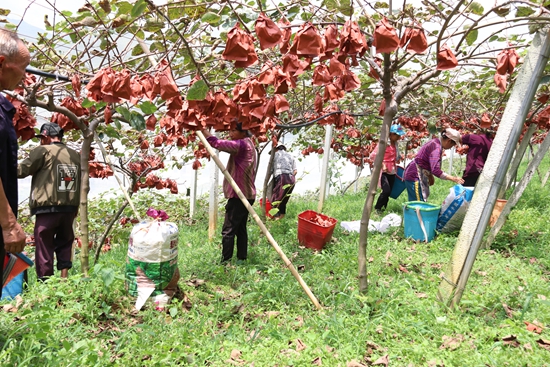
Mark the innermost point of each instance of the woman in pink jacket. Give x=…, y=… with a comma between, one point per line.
x=389, y=166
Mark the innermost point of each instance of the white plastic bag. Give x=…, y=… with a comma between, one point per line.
x=454, y=208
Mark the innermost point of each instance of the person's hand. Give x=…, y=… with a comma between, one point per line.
x=14, y=238
x=457, y=180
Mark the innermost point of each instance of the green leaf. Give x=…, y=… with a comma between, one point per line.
x=67, y=345
x=138, y=50
x=524, y=11
x=124, y=112
x=173, y=311
x=381, y=5
x=502, y=11
x=211, y=18
x=471, y=37
x=197, y=92
x=138, y=8
x=124, y=7
x=5, y=12
x=545, y=79
x=108, y=276
x=137, y=121
x=476, y=8
x=86, y=103
x=148, y=107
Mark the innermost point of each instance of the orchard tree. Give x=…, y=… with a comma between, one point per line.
x=161, y=72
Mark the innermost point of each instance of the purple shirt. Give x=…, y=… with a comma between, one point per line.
x=429, y=158
x=478, y=150
x=241, y=165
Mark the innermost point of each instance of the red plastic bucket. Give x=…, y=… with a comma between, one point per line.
x=315, y=229
x=267, y=207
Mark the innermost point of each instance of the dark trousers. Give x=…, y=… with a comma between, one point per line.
x=386, y=181
x=234, y=224
x=470, y=180
x=53, y=234
x=283, y=187
x=2, y=255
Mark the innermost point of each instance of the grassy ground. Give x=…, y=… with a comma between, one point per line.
x=256, y=314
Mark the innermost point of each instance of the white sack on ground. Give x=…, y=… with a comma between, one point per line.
x=390, y=220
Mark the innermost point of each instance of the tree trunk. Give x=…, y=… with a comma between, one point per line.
x=84, y=190
x=390, y=112
x=108, y=229
x=324, y=170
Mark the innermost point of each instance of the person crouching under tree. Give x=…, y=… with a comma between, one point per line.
x=284, y=179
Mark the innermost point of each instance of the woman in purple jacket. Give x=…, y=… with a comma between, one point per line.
x=478, y=150
x=419, y=174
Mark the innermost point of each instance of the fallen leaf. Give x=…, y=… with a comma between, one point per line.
x=508, y=310
x=317, y=361
x=451, y=342
x=237, y=309
x=18, y=301
x=511, y=340
x=195, y=282
x=299, y=345
x=421, y=295
x=385, y=360
x=533, y=328
x=355, y=364
x=527, y=346
x=544, y=343
x=532, y=260
x=236, y=355
x=403, y=269
x=371, y=259
x=481, y=273
x=388, y=255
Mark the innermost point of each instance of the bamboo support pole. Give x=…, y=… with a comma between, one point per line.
x=262, y=226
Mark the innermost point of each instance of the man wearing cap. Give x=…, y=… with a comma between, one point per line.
x=14, y=58
x=284, y=179
x=427, y=163
x=242, y=168
x=55, y=197
x=389, y=166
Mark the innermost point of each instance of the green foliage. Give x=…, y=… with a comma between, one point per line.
x=211, y=18
x=476, y=8
x=198, y=91
x=138, y=8
x=524, y=11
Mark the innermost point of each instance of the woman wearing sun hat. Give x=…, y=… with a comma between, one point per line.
x=389, y=166
x=427, y=164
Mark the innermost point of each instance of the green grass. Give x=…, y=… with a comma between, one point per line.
x=259, y=309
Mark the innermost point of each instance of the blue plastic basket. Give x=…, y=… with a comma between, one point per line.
x=418, y=214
